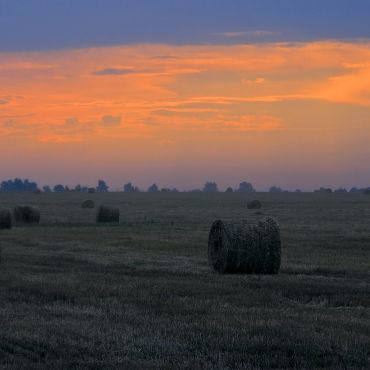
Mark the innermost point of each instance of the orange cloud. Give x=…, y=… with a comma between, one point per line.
x=208, y=98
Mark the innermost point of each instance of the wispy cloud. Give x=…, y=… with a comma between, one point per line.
x=111, y=120
x=257, y=81
x=114, y=71
x=255, y=33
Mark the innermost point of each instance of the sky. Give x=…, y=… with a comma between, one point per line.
x=182, y=92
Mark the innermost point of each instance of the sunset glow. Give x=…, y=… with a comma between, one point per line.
x=295, y=114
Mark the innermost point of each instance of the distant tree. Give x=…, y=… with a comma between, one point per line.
x=80, y=189
x=128, y=188
x=153, y=189
x=246, y=187
x=174, y=190
x=18, y=185
x=195, y=191
x=324, y=190
x=210, y=187
x=229, y=190
x=165, y=190
x=47, y=189
x=102, y=187
x=298, y=191
x=91, y=190
x=367, y=191
x=59, y=188
x=275, y=189
x=341, y=190
x=355, y=190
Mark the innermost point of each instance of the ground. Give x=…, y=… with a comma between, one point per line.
x=140, y=295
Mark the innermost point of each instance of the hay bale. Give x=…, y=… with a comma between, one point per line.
x=254, y=204
x=248, y=247
x=106, y=214
x=26, y=215
x=88, y=204
x=5, y=219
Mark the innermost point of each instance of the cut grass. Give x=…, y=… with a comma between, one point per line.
x=141, y=295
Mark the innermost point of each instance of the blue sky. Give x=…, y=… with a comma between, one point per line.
x=55, y=24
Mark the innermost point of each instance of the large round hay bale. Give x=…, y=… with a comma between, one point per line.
x=254, y=204
x=26, y=215
x=248, y=247
x=5, y=219
x=107, y=214
x=88, y=204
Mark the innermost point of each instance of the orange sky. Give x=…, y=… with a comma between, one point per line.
x=295, y=115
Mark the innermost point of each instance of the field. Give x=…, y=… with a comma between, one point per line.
x=140, y=295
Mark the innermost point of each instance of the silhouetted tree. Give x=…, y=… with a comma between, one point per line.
x=59, y=188
x=19, y=185
x=324, y=190
x=128, y=188
x=229, y=190
x=246, y=187
x=47, y=189
x=102, y=187
x=210, y=187
x=341, y=190
x=153, y=188
x=275, y=189
x=165, y=190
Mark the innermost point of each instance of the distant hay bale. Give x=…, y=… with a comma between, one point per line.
x=88, y=204
x=254, y=204
x=5, y=219
x=246, y=247
x=26, y=215
x=106, y=214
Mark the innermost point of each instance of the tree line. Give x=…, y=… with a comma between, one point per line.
x=19, y=185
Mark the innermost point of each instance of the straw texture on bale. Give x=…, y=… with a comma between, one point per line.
x=107, y=214
x=246, y=247
x=88, y=204
x=254, y=204
x=5, y=219
x=26, y=215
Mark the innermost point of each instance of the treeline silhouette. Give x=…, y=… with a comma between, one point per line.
x=19, y=185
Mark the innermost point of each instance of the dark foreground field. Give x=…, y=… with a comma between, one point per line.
x=141, y=295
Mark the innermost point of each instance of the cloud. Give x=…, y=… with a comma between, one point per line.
x=165, y=57
x=256, y=33
x=114, y=72
x=9, y=98
x=257, y=81
x=253, y=123
x=111, y=120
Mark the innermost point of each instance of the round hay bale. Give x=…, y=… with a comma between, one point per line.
x=106, y=214
x=254, y=204
x=26, y=215
x=5, y=219
x=246, y=247
x=88, y=204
